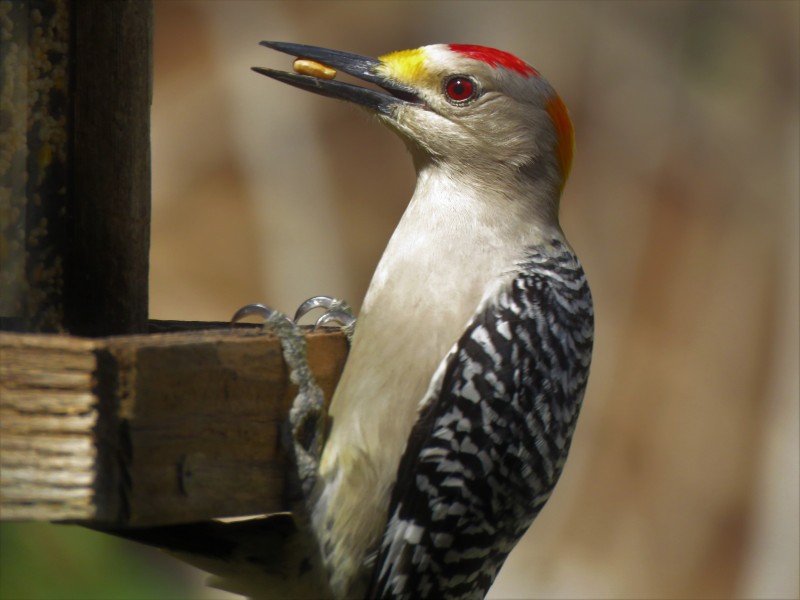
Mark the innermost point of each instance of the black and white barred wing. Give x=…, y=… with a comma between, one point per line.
x=492, y=436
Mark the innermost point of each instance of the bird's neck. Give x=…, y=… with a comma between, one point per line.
x=451, y=221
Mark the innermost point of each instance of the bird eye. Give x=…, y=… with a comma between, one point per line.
x=460, y=89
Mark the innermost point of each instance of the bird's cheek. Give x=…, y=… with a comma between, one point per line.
x=412, y=123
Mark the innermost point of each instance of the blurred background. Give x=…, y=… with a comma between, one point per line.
x=683, y=206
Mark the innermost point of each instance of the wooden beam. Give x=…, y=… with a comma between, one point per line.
x=75, y=165
x=107, y=258
x=148, y=430
x=34, y=161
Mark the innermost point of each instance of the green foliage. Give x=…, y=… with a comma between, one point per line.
x=43, y=561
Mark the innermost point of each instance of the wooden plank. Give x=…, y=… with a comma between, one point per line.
x=203, y=420
x=151, y=429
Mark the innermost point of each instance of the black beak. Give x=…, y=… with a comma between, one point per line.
x=362, y=67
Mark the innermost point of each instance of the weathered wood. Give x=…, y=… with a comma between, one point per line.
x=34, y=160
x=106, y=274
x=147, y=430
x=75, y=164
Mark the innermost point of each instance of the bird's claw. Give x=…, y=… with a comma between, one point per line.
x=307, y=415
x=336, y=312
x=261, y=310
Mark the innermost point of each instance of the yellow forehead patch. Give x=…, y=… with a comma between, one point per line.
x=404, y=66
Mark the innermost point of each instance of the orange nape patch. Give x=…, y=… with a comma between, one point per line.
x=565, y=133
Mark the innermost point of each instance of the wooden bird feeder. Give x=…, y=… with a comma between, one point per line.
x=107, y=418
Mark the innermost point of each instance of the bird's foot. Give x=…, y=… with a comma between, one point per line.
x=336, y=312
x=307, y=415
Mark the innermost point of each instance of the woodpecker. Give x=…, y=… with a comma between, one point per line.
x=456, y=408
x=452, y=420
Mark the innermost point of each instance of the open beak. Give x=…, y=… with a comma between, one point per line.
x=362, y=67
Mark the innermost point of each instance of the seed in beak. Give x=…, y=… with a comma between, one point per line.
x=314, y=69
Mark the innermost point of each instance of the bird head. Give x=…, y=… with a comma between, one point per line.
x=476, y=110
